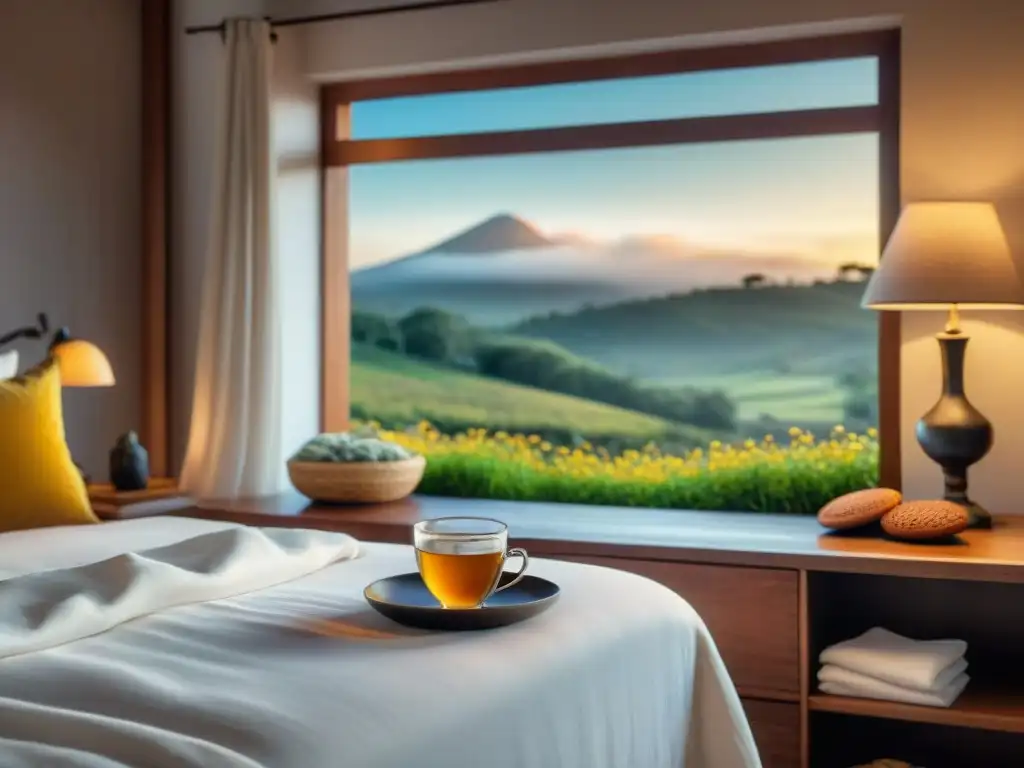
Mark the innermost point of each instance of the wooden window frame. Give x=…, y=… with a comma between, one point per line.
x=338, y=152
x=155, y=33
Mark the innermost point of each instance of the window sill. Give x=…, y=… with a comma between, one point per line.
x=723, y=538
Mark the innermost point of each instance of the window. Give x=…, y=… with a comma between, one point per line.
x=745, y=90
x=638, y=288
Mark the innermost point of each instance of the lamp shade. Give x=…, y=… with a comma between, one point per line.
x=82, y=364
x=946, y=253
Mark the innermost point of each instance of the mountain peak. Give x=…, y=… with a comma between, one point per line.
x=501, y=232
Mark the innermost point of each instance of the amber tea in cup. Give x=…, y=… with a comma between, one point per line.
x=461, y=559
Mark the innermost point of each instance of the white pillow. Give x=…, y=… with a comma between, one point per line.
x=8, y=365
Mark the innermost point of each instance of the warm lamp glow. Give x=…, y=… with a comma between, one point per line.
x=942, y=254
x=82, y=364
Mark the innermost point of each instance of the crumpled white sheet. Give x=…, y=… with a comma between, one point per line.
x=619, y=673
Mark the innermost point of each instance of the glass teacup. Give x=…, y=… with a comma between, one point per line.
x=461, y=559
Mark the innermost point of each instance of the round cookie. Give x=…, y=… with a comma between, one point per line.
x=925, y=520
x=858, y=508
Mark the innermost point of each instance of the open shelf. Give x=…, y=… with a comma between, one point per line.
x=844, y=740
x=984, y=726
x=976, y=708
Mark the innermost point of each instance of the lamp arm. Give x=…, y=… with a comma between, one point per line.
x=28, y=332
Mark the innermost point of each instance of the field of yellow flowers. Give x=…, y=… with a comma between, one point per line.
x=753, y=476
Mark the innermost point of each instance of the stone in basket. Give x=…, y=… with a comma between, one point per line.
x=346, y=468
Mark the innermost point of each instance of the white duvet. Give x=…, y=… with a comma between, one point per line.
x=190, y=644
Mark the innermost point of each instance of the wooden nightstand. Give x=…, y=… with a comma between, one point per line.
x=160, y=497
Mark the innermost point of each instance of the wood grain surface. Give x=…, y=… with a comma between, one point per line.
x=720, y=538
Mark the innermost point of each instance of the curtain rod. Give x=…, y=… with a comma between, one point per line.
x=422, y=5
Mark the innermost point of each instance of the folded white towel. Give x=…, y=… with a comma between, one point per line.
x=830, y=673
x=884, y=655
x=841, y=682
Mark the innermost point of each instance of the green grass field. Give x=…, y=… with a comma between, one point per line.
x=793, y=487
x=798, y=476
x=395, y=390
x=792, y=399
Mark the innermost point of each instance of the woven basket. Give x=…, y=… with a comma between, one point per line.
x=358, y=482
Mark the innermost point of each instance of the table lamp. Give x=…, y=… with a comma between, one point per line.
x=81, y=364
x=949, y=256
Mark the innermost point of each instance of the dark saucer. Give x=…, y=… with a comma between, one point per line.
x=407, y=600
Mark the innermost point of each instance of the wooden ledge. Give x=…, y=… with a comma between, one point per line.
x=977, y=707
x=724, y=538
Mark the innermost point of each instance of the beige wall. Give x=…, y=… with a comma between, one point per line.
x=69, y=195
x=197, y=90
x=962, y=135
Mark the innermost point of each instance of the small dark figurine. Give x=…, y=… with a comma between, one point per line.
x=129, y=464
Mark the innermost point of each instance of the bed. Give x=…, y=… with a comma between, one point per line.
x=620, y=673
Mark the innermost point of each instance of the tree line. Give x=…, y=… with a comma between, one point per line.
x=847, y=272
x=442, y=337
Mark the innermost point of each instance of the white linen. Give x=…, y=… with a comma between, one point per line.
x=884, y=655
x=904, y=696
x=619, y=673
x=833, y=674
x=235, y=446
x=50, y=608
x=843, y=682
x=8, y=364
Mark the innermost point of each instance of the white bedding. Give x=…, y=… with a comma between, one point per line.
x=620, y=672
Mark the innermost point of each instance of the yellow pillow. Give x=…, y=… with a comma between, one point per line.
x=39, y=482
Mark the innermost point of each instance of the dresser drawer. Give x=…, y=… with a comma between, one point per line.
x=752, y=614
x=776, y=729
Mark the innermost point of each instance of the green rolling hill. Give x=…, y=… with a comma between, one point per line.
x=776, y=350
x=398, y=390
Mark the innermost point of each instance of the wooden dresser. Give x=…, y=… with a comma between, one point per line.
x=774, y=590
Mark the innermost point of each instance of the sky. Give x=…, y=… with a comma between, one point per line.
x=817, y=196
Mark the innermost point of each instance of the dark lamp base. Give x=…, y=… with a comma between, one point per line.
x=978, y=516
x=954, y=434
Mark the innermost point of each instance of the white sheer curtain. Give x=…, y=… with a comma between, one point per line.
x=234, y=445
